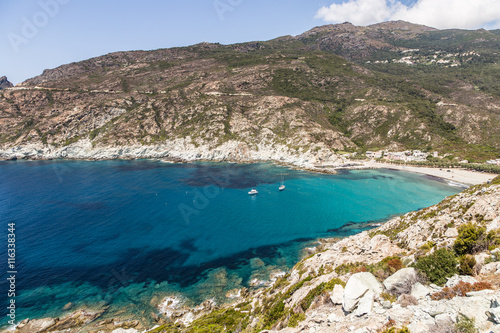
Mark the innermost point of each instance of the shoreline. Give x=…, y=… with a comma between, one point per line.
x=458, y=176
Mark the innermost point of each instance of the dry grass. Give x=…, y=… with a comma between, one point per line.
x=493, y=279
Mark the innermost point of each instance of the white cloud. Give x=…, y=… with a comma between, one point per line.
x=443, y=14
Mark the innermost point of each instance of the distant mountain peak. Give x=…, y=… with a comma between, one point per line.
x=4, y=83
x=402, y=25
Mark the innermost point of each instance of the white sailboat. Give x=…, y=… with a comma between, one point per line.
x=282, y=186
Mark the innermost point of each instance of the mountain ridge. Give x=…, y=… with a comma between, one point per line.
x=392, y=85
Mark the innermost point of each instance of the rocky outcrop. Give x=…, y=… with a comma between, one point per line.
x=76, y=319
x=4, y=83
x=183, y=151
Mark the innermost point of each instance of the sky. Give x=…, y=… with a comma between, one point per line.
x=40, y=34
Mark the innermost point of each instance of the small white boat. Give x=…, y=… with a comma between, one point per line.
x=253, y=191
x=282, y=185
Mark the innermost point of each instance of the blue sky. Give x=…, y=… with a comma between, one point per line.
x=39, y=34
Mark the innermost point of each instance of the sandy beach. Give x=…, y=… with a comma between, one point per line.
x=457, y=175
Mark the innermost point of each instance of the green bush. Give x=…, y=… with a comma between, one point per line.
x=321, y=288
x=468, y=236
x=495, y=181
x=467, y=264
x=295, y=319
x=465, y=325
x=276, y=313
x=438, y=266
x=218, y=321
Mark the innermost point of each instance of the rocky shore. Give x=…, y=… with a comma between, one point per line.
x=181, y=150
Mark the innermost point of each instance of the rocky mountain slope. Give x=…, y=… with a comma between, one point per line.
x=434, y=270
x=334, y=88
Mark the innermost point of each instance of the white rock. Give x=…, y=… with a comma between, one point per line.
x=400, y=277
x=121, y=330
x=490, y=268
x=436, y=308
x=362, y=330
x=451, y=232
x=337, y=294
x=481, y=293
x=419, y=291
x=420, y=326
x=386, y=304
x=454, y=280
x=187, y=319
x=480, y=258
x=357, y=286
x=365, y=304
x=445, y=319
x=332, y=318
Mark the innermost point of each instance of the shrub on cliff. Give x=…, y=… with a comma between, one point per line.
x=465, y=325
x=469, y=239
x=438, y=266
x=460, y=289
x=473, y=239
x=467, y=264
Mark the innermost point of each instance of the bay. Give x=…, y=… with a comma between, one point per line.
x=123, y=233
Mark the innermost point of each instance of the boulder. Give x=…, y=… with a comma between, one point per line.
x=490, y=268
x=365, y=304
x=451, y=232
x=337, y=294
x=445, y=320
x=400, y=278
x=454, y=280
x=419, y=291
x=356, y=288
x=480, y=258
x=386, y=304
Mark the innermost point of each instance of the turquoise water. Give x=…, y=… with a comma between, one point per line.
x=124, y=233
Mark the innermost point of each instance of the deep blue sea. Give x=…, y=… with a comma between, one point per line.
x=129, y=233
